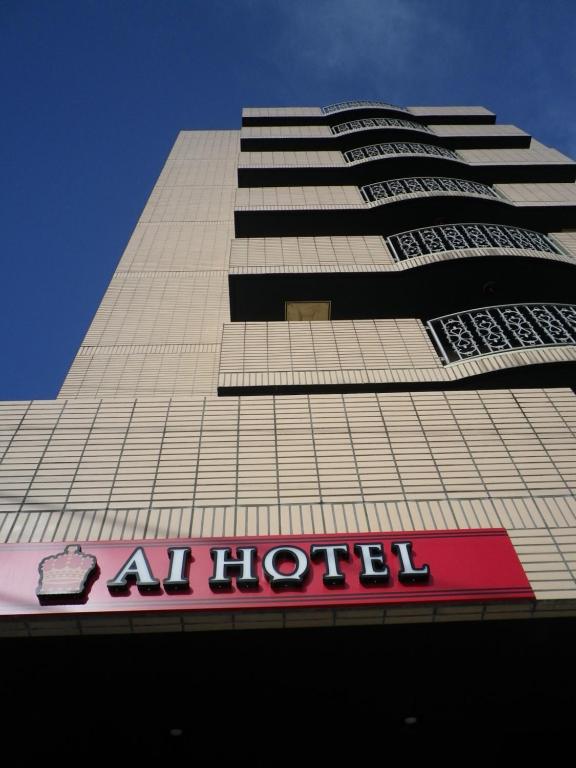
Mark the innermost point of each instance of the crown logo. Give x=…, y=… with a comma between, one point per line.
x=65, y=574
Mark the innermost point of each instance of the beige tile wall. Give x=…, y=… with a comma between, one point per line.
x=323, y=346
x=467, y=111
x=357, y=253
x=551, y=193
x=157, y=331
x=85, y=470
x=309, y=251
x=280, y=111
x=390, y=448
x=178, y=247
x=477, y=130
x=291, y=131
x=395, y=352
x=302, y=196
x=305, y=159
x=536, y=153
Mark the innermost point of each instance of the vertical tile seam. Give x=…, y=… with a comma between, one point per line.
x=35, y=472
x=237, y=478
x=390, y=446
x=16, y=430
x=197, y=467
x=539, y=439
x=75, y=475
x=156, y=472
x=318, y=483
x=106, y=506
x=358, y=475
x=503, y=442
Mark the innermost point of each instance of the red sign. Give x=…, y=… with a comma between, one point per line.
x=262, y=572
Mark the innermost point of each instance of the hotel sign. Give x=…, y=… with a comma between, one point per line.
x=261, y=572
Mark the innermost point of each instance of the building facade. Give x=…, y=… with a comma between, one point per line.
x=351, y=320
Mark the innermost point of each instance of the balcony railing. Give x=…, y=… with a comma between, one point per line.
x=418, y=186
x=361, y=154
x=342, y=105
x=488, y=330
x=454, y=237
x=377, y=122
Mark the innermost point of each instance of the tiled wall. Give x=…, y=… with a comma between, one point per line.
x=251, y=466
x=157, y=331
x=395, y=353
x=550, y=193
x=309, y=251
x=349, y=196
x=392, y=447
x=304, y=196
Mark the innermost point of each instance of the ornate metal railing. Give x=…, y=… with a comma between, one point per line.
x=377, y=122
x=454, y=237
x=484, y=331
x=342, y=105
x=417, y=185
x=398, y=148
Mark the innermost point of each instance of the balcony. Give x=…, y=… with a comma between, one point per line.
x=401, y=189
x=344, y=106
x=348, y=210
x=417, y=202
x=504, y=328
x=399, y=156
x=432, y=243
x=377, y=123
x=404, y=148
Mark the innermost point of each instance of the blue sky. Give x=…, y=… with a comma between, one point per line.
x=94, y=92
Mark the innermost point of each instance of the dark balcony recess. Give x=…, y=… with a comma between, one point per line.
x=393, y=166
x=397, y=215
x=426, y=292
x=385, y=219
x=389, y=167
x=348, y=141
x=480, y=118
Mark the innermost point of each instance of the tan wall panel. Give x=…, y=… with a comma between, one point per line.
x=543, y=194
x=477, y=130
x=389, y=448
x=309, y=251
x=289, y=131
x=340, y=345
x=162, y=308
x=151, y=371
x=305, y=196
x=536, y=153
x=202, y=145
x=310, y=159
x=280, y=111
x=185, y=246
